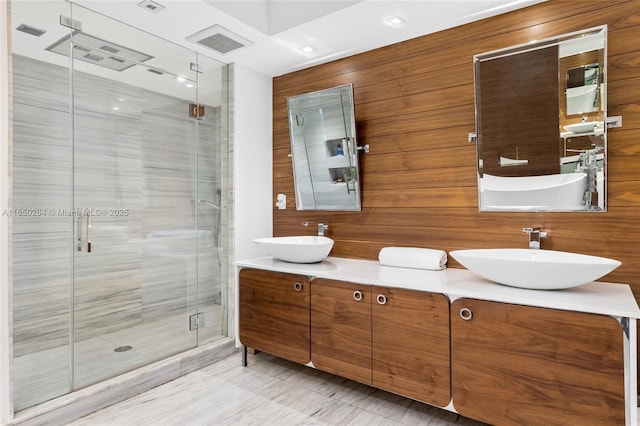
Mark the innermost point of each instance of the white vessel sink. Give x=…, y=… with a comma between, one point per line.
x=303, y=249
x=588, y=126
x=535, y=269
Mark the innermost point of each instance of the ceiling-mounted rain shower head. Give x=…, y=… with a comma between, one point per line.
x=220, y=39
x=97, y=51
x=30, y=30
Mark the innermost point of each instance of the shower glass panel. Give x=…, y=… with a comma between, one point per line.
x=135, y=262
x=212, y=201
x=42, y=170
x=118, y=140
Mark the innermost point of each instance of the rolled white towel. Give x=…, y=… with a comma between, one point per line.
x=413, y=257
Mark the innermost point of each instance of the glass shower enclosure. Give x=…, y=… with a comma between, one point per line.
x=118, y=199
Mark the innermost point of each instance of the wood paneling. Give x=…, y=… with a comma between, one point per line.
x=521, y=89
x=415, y=105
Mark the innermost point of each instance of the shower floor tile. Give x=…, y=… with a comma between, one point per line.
x=45, y=374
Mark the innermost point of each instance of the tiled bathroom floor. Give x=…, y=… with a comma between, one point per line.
x=45, y=374
x=270, y=391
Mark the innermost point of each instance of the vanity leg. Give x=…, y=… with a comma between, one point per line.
x=244, y=356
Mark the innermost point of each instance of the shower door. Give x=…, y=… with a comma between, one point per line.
x=135, y=181
x=118, y=152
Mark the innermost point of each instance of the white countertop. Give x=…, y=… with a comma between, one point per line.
x=596, y=297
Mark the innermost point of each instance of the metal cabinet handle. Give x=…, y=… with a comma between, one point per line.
x=357, y=295
x=382, y=299
x=297, y=286
x=466, y=314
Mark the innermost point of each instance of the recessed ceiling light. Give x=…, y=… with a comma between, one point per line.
x=308, y=49
x=395, y=21
x=181, y=79
x=189, y=85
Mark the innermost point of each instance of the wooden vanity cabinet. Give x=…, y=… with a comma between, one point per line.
x=341, y=329
x=515, y=365
x=410, y=344
x=499, y=363
x=391, y=338
x=274, y=313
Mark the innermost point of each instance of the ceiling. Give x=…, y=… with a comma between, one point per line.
x=277, y=30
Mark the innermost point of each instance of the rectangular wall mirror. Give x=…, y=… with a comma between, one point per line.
x=324, y=152
x=540, y=124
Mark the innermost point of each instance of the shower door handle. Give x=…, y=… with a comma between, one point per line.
x=80, y=229
x=79, y=232
x=89, y=225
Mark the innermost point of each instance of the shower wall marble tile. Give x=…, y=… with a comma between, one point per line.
x=143, y=163
x=107, y=175
x=42, y=178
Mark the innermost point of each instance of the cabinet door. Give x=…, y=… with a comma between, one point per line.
x=515, y=365
x=274, y=313
x=410, y=343
x=341, y=329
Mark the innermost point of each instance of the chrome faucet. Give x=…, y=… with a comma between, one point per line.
x=534, y=236
x=322, y=229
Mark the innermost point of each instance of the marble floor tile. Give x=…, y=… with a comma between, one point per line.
x=45, y=374
x=270, y=391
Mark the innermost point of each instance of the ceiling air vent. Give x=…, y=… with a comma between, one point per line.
x=30, y=30
x=151, y=6
x=220, y=39
x=109, y=49
x=92, y=57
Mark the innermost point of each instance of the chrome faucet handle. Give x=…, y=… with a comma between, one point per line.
x=322, y=228
x=534, y=236
x=539, y=231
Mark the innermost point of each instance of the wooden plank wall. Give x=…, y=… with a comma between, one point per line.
x=522, y=88
x=415, y=106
